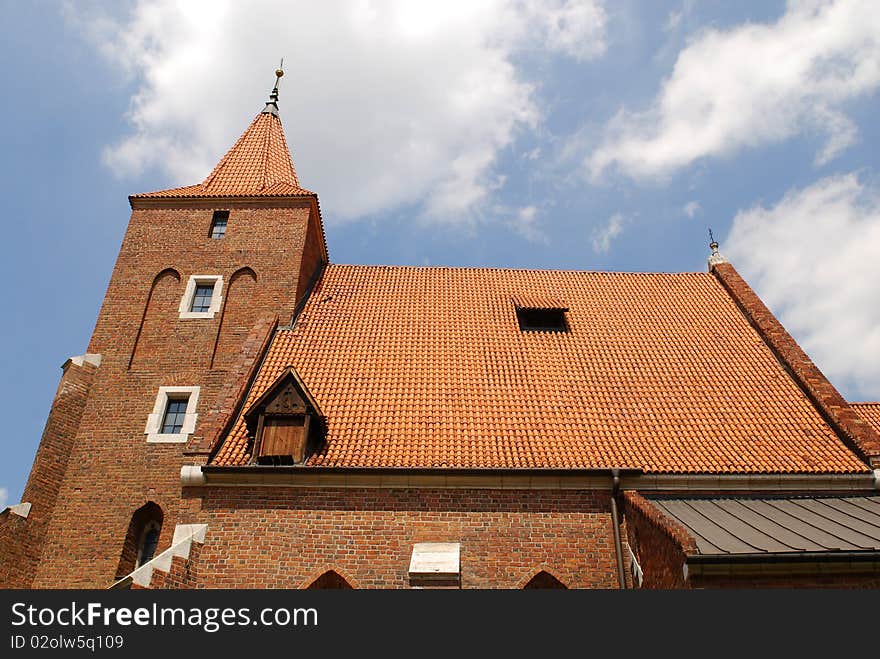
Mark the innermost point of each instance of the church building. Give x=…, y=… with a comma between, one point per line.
x=249, y=414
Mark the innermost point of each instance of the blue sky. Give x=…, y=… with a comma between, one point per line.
x=557, y=134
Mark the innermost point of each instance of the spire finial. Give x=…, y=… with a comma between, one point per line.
x=272, y=103
x=715, y=258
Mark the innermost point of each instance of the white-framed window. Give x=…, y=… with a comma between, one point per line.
x=174, y=415
x=202, y=297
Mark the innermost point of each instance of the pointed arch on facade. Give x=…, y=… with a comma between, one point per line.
x=542, y=577
x=329, y=577
x=166, y=276
x=237, y=314
x=141, y=538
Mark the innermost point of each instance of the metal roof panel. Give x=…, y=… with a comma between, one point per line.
x=777, y=525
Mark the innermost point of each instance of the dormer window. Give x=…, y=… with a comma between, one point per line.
x=540, y=313
x=286, y=423
x=542, y=320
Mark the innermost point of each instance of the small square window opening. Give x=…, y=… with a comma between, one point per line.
x=542, y=320
x=202, y=298
x=175, y=413
x=218, y=224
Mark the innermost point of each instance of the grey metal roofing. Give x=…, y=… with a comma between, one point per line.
x=774, y=525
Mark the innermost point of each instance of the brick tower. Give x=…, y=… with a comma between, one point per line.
x=204, y=274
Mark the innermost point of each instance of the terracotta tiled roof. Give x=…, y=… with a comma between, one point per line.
x=870, y=412
x=427, y=367
x=259, y=164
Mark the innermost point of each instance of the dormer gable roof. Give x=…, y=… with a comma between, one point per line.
x=287, y=395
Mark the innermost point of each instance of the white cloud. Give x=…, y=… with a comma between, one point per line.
x=4, y=497
x=813, y=260
x=604, y=235
x=384, y=103
x=691, y=208
x=573, y=27
x=525, y=222
x=751, y=85
x=673, y=21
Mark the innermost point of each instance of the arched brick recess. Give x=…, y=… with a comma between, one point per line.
x=329, y=578
x=542, y=578
x=236, y=318
x=160, y=310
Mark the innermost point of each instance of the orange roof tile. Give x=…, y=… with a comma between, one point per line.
x=870, y=412
x=427, y=367
x=259, y=164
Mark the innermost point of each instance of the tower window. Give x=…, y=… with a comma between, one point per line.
x=174, y=416
x=203, y=296
x=218, y=224
x=201, y=302
x=542, y=320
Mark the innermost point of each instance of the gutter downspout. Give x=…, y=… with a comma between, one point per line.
x=615, y=519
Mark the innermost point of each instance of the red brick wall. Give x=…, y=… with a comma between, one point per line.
x=312, y=256
x=239, y=314
x=285, y=537
x=155, y=333
x=19, y=551
x=659, y=545
x=270, y=241
x=21, y=540
x=112, y=470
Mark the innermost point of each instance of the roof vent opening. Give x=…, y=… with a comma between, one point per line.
x=542, y=320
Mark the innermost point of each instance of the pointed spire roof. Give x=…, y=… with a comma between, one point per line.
x=258, y=165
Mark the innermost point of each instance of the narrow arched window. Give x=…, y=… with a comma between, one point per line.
x=141, y=539
x=149, y=542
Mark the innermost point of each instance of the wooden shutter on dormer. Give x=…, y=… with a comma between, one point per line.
x=283, y=427
x=284, y=436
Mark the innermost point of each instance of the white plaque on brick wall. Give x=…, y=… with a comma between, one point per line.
x=435, y=558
